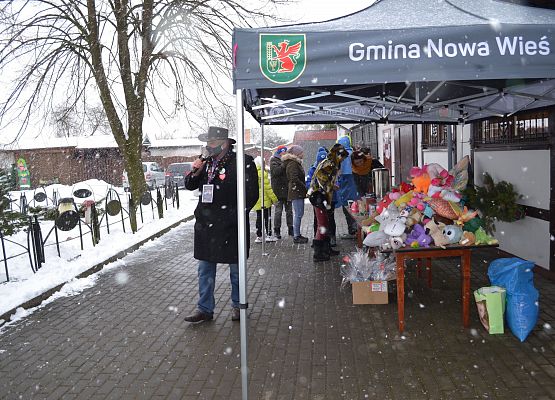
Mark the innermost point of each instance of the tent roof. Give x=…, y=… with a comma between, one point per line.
x=402, y=14
x=398, y=61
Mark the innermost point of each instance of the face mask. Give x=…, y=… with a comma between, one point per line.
x=214, y=151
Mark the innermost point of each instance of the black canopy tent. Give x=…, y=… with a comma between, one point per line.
x=399, y=61
x=430, y=61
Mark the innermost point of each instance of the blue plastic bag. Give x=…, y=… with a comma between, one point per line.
x=516, y=276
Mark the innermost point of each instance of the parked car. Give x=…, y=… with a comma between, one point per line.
x=154, y=175
x=176, y=173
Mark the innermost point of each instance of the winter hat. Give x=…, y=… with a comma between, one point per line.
x=295, y=150
x=320, y=155
x=279, y=150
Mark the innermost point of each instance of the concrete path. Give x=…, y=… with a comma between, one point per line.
x=125, y=337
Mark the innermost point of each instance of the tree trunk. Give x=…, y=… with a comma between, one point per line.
x=135, y=174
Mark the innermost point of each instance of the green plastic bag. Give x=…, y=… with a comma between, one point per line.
x=491, y=307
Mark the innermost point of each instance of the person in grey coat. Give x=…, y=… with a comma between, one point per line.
x=278, y=180
x=296, y=189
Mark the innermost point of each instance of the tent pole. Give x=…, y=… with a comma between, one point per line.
x=262, y=190
x=242, y=239
x=450, y=147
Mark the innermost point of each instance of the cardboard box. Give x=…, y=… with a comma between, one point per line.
x=370, y=292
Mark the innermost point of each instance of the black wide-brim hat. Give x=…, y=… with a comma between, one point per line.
x=215, y=133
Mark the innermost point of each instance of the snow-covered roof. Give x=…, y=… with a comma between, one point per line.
x=92, y=142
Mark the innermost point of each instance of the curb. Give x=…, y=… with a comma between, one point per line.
x=36, y=301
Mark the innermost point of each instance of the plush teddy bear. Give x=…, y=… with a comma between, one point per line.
x=435, y=230
x=467, y=239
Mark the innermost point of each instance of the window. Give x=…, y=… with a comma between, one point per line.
x=435, y=135
x=530, y=127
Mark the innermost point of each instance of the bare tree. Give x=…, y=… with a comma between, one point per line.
x=131, y=53
x=96, y=121
x=68, y=121
x=271, y=137
x=64, y=121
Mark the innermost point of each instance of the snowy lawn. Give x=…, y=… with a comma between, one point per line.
x=24, y=284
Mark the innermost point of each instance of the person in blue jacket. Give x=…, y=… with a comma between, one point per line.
x=347, y=187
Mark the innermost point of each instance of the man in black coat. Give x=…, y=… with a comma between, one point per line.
x=279, y=187
x=216, y=228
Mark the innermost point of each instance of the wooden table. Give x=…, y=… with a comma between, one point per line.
x=429, y=253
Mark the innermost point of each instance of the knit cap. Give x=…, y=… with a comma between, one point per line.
x=280, y=149
x=295, y=150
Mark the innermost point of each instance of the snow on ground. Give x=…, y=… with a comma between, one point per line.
x=24, y=284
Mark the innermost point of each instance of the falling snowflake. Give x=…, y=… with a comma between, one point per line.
x=122, y=277
x=474, y=332
x=422, y=305
x=547, y=326
x=281, y=303
x=495, y=24
x=172, y=308
x=228, y=350
x=261, y=271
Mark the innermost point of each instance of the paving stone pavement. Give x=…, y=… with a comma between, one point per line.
x=125, y=337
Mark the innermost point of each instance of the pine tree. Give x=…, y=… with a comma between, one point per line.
x=10, y=221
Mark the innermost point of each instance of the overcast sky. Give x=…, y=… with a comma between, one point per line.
x=313, y=11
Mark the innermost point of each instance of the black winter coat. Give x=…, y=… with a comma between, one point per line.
x=296, y=187
x=278, y=178
x=216, y=227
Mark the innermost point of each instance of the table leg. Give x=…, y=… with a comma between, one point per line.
x=401, y=291
x=359, y=237
x=466, y=288
x=429, y=271
x=418, y=268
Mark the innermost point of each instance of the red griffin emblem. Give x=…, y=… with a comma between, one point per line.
x=287, y=54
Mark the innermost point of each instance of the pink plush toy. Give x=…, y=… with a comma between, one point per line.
x=418, y=201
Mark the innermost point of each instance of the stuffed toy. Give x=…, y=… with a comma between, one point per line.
x=465, y=216
x=387, y=215
x=453, y=233
x=418, y=201
x=405, y=187
x=395, y=227
x=418, y=237
x=375, y=239
x=460, y=174
x=473, y=224
x=386, y=201
x=396, y=242
x=467, y=239
x=445, y=208
x=414, y=217
x=483, y=238
x=436, y=232
x=420, y=179
x=404, y=199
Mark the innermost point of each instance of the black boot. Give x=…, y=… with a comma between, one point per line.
x=330, y=250
x=320, y=253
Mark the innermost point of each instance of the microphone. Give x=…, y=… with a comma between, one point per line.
x=202, y=157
